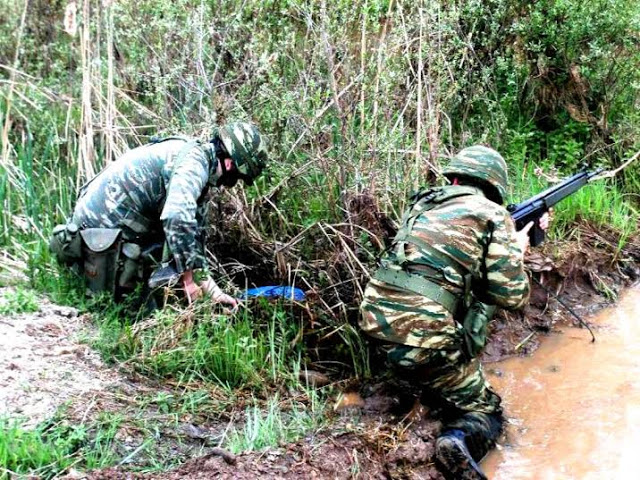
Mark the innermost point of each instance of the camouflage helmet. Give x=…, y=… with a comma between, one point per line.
x=482, y=165
x=246, y=147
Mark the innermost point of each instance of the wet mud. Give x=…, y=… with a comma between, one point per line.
x=371, y=437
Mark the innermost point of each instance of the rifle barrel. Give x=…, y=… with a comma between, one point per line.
x=552, y=195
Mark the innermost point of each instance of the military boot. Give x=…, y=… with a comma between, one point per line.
x=464, y=442
x=454, y=458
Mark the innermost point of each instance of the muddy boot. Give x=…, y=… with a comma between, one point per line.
x=454, y=459
x=465, y=442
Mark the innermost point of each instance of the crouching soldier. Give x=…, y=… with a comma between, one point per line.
x=152, y=200
x=456, y=256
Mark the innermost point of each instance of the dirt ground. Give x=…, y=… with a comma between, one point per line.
x=375, y=432
x=43, y=365
x=368, y=440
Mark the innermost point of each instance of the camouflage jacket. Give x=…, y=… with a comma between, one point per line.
x=466, y=236
x=150, y=193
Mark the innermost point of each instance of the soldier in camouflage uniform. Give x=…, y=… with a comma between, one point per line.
x=456, y=256
x=151, y=195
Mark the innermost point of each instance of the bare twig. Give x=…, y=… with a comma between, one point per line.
x=86, y=150
x=329, y=54
x=525, y=341
x=319, y=115
x=111, y=104
x=612, y=173
x=419, y=105
x=376, y=88
x=363, y=55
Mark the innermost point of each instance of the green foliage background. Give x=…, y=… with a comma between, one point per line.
x=374, y=93
x=361, y=103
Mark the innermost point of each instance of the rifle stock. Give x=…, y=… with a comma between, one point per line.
x=532, y=209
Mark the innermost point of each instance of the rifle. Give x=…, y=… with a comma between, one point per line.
x=532, y=209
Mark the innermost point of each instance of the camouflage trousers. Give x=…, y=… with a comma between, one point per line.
x=453, y=385
x=448, y=378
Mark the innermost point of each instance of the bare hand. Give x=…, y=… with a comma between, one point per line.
x=217, y=295
x=191, y=289
x=545, y=220
x=225, y=299
x=523, y=235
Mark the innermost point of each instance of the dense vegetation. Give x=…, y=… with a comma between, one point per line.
x=361, y=101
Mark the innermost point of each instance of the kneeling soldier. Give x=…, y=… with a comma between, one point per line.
x=456, y=256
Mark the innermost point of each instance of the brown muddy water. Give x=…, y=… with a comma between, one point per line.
x=574, y=406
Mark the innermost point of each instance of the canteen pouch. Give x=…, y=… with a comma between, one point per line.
x=101, y=252
x=475, y=324
x=65, y=243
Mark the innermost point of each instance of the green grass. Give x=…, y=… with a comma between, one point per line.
x=146, y=432
x=18, y=300
x=56, y=445
x=254, y=347
x=277, y=423
x=601, y=202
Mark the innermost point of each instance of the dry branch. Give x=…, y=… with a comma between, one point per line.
x=613, y=173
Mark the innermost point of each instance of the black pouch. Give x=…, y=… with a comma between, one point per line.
x=131, y=271
x=101, y=253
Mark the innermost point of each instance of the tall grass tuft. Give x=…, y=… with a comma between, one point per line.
x=200, y=344
x=278, y=423
x=55, y=445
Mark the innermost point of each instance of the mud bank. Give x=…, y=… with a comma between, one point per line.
x=379, y=435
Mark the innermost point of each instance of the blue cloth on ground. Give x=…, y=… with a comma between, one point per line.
x=290, y=293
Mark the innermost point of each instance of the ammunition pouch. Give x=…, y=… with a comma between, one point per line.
x=65, y=243
x=475, y=324
x=101, y=252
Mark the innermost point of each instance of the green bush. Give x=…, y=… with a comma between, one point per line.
x=18, y=300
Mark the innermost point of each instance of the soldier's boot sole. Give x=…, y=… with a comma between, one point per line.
x=455, y=461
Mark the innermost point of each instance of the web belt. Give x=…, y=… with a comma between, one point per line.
x=419, y=285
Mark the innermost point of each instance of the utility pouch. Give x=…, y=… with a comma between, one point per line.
x=131, y=272
x=65, y=244
x=101, y=252
x=475, y=324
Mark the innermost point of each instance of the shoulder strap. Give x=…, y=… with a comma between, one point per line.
x=156, y=139
x=423, y=202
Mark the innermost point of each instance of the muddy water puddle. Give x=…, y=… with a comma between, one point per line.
x=574, y=406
